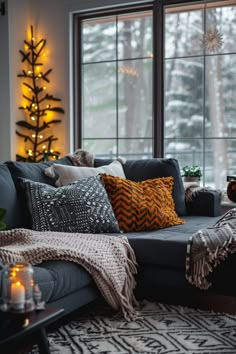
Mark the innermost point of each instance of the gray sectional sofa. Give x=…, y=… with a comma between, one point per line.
x=160, y=254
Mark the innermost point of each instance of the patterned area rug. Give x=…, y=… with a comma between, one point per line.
x=159, y=329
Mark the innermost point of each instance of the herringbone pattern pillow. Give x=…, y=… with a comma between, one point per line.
x=139, y=206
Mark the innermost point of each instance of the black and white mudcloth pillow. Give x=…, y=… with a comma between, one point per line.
x=82, y=206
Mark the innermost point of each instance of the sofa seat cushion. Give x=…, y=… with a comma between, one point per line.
x=167, y=247
x=60, y=278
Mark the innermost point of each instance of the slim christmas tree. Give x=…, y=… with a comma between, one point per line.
x=38, y=105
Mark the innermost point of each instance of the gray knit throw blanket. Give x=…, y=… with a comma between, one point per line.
x=82, y=158
x=109, y=259
x=207, y=248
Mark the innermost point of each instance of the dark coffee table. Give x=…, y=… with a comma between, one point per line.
x=16, y=331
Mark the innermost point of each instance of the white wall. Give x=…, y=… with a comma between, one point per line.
x=51, y=20
x=12, y=28
x=4, y=90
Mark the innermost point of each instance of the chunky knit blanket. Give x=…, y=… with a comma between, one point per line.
x=109, y=259
x=207, y=248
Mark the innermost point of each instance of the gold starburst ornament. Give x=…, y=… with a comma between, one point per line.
x=212, y=40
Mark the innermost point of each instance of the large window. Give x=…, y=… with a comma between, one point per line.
x=116, y=85
x=139, y=83
x=200, y=84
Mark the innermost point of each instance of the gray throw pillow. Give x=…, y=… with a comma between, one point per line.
x=82, y=206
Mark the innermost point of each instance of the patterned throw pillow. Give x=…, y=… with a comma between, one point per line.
x=82, y=206
x=139, y=206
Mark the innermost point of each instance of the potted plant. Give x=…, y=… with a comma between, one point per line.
x=191, y=173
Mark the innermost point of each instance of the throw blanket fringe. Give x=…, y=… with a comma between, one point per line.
x=208, y=248
x=109, y=259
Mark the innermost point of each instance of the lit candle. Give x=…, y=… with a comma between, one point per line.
x=18, y=295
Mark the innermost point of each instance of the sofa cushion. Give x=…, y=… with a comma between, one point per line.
x=167, y=247
x=139, y=206
x=140, y=170
x=9, y=199
x=82, y=206
x=69, y=174
x=59, y=278
x=34, y=172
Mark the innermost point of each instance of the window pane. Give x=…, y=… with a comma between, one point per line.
x=135, y=35
x=220, y=161
x=99, y=39
x=99, y=100
x=187, y=152
x=183, y=32
x=133, y=149
x=135, y=98
x=104, y=148
x=184, y=98
x=220, y=95
x=223, y=19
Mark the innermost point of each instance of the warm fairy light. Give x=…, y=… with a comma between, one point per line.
x=38, y=111
x=126, y=69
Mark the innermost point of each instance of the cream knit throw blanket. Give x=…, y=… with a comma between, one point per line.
x=109, y=259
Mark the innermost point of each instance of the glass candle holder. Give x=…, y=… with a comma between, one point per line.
x=18, y=288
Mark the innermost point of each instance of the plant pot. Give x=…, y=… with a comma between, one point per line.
x=231, y=191
x=191, y=179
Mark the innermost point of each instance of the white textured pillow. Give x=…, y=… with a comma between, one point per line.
x=69, y=174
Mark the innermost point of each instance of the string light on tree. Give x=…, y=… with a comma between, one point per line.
x=37, y=107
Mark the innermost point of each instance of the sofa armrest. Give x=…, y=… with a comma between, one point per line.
x=206, y=202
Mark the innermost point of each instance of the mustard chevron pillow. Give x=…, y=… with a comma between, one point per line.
x=145, y=205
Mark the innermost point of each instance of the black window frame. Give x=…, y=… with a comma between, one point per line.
x=157, y=7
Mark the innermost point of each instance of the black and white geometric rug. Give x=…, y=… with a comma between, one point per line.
x=159, y=329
